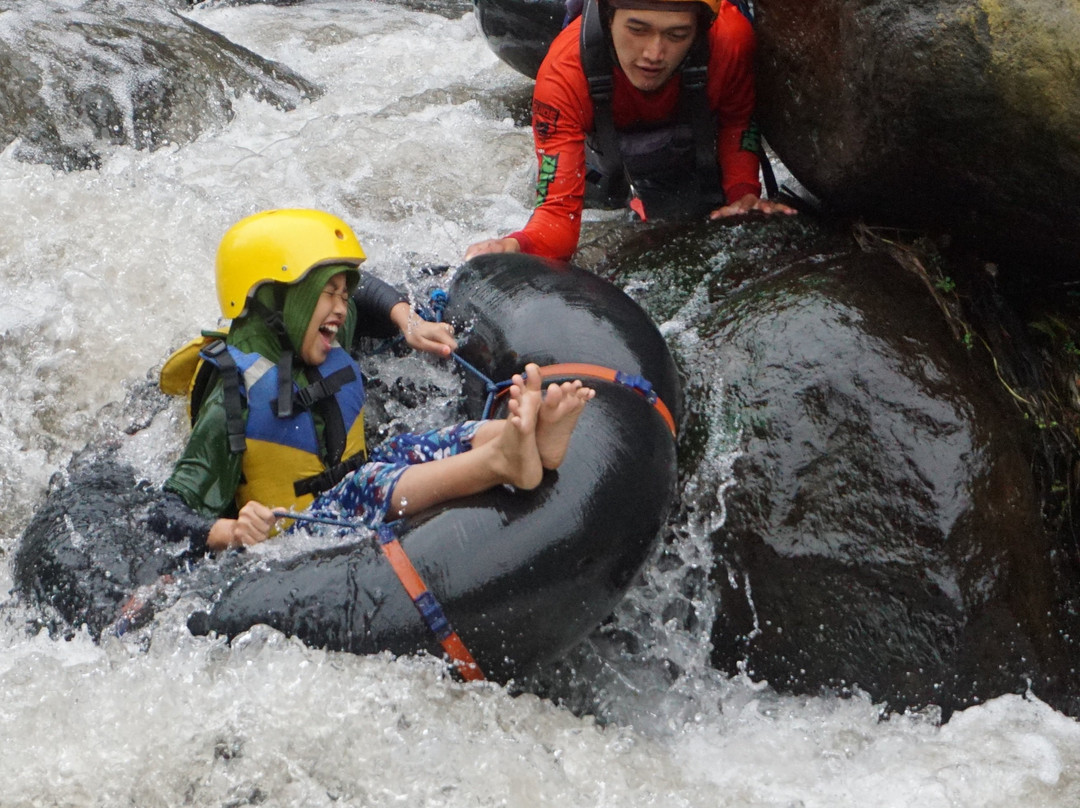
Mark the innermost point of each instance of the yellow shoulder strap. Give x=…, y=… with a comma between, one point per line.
x=178, y=373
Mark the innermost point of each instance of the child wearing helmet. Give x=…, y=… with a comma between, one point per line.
x=283, y=426
x=646, y=103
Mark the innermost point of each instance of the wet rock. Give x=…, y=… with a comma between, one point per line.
x=77, y=79
x=87, y=550
x=520, y=31
x=884, y=530
x=955, y=114
x=451, y=9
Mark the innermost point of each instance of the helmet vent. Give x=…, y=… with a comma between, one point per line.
x=340, y=235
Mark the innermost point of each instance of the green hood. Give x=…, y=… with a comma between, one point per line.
x=251, y=334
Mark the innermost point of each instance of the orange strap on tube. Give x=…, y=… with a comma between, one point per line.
x=428, y=606
x=642, y=386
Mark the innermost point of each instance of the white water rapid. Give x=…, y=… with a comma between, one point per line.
x=104, y=272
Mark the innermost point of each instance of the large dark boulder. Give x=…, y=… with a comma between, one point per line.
x=958, y=114
x=76, y=79
x=520, y=31
x=884, y=527
x=953, y=115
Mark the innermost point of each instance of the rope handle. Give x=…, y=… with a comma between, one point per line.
x=438, y=301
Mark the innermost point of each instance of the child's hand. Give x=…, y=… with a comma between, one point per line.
x=434, y=338
x=251, y=526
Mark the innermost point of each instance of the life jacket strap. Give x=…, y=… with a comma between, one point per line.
x=323, y=388
x=218, y=353
x=327, y=479
x=428, y=606
x=598, y=67
x=275, y=321
x=283, y=404
x=694, y=107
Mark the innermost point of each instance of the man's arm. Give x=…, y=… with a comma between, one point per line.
x=731, y=94
x=561, y=115
x=731, y=91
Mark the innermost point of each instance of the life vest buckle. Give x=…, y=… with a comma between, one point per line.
x=694, y=76
x=309, y=395
x=214, y=349
x=323, y=388
x=601, y=86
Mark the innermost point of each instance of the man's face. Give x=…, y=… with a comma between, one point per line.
x=650, y=45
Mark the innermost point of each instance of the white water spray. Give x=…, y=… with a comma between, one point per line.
x=104, y=272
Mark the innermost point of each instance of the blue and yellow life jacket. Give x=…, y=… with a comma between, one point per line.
x=285, y=463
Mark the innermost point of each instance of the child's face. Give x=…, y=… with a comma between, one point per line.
x=328, y=317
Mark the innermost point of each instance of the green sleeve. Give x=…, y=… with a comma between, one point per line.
x=207, y=475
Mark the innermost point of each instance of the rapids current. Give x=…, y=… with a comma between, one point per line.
x=414, y=142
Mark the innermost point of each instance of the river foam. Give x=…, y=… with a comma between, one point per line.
x=104, y=272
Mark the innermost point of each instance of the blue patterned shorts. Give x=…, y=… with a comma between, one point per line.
x=365, y=494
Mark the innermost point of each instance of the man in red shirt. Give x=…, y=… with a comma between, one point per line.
x=664, y=126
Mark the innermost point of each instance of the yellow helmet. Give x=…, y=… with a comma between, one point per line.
x=282, y=246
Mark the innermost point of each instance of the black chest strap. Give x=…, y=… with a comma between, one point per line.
x=319, y=398
x=318, y=483
x=694, y=108
x=319, y=388
x=235, y=426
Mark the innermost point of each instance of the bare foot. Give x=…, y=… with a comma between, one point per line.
x=558, y=416
x=516, y=443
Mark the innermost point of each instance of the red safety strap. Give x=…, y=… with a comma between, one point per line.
x=429, y=608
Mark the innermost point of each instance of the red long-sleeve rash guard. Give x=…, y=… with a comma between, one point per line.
x=563, y=114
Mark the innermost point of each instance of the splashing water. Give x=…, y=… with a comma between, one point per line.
x=413, y=142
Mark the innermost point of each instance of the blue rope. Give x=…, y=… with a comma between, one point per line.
x=438, y=300
x=322, y=520
x=387, y=531
x=434, y=313
x=491, y=388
